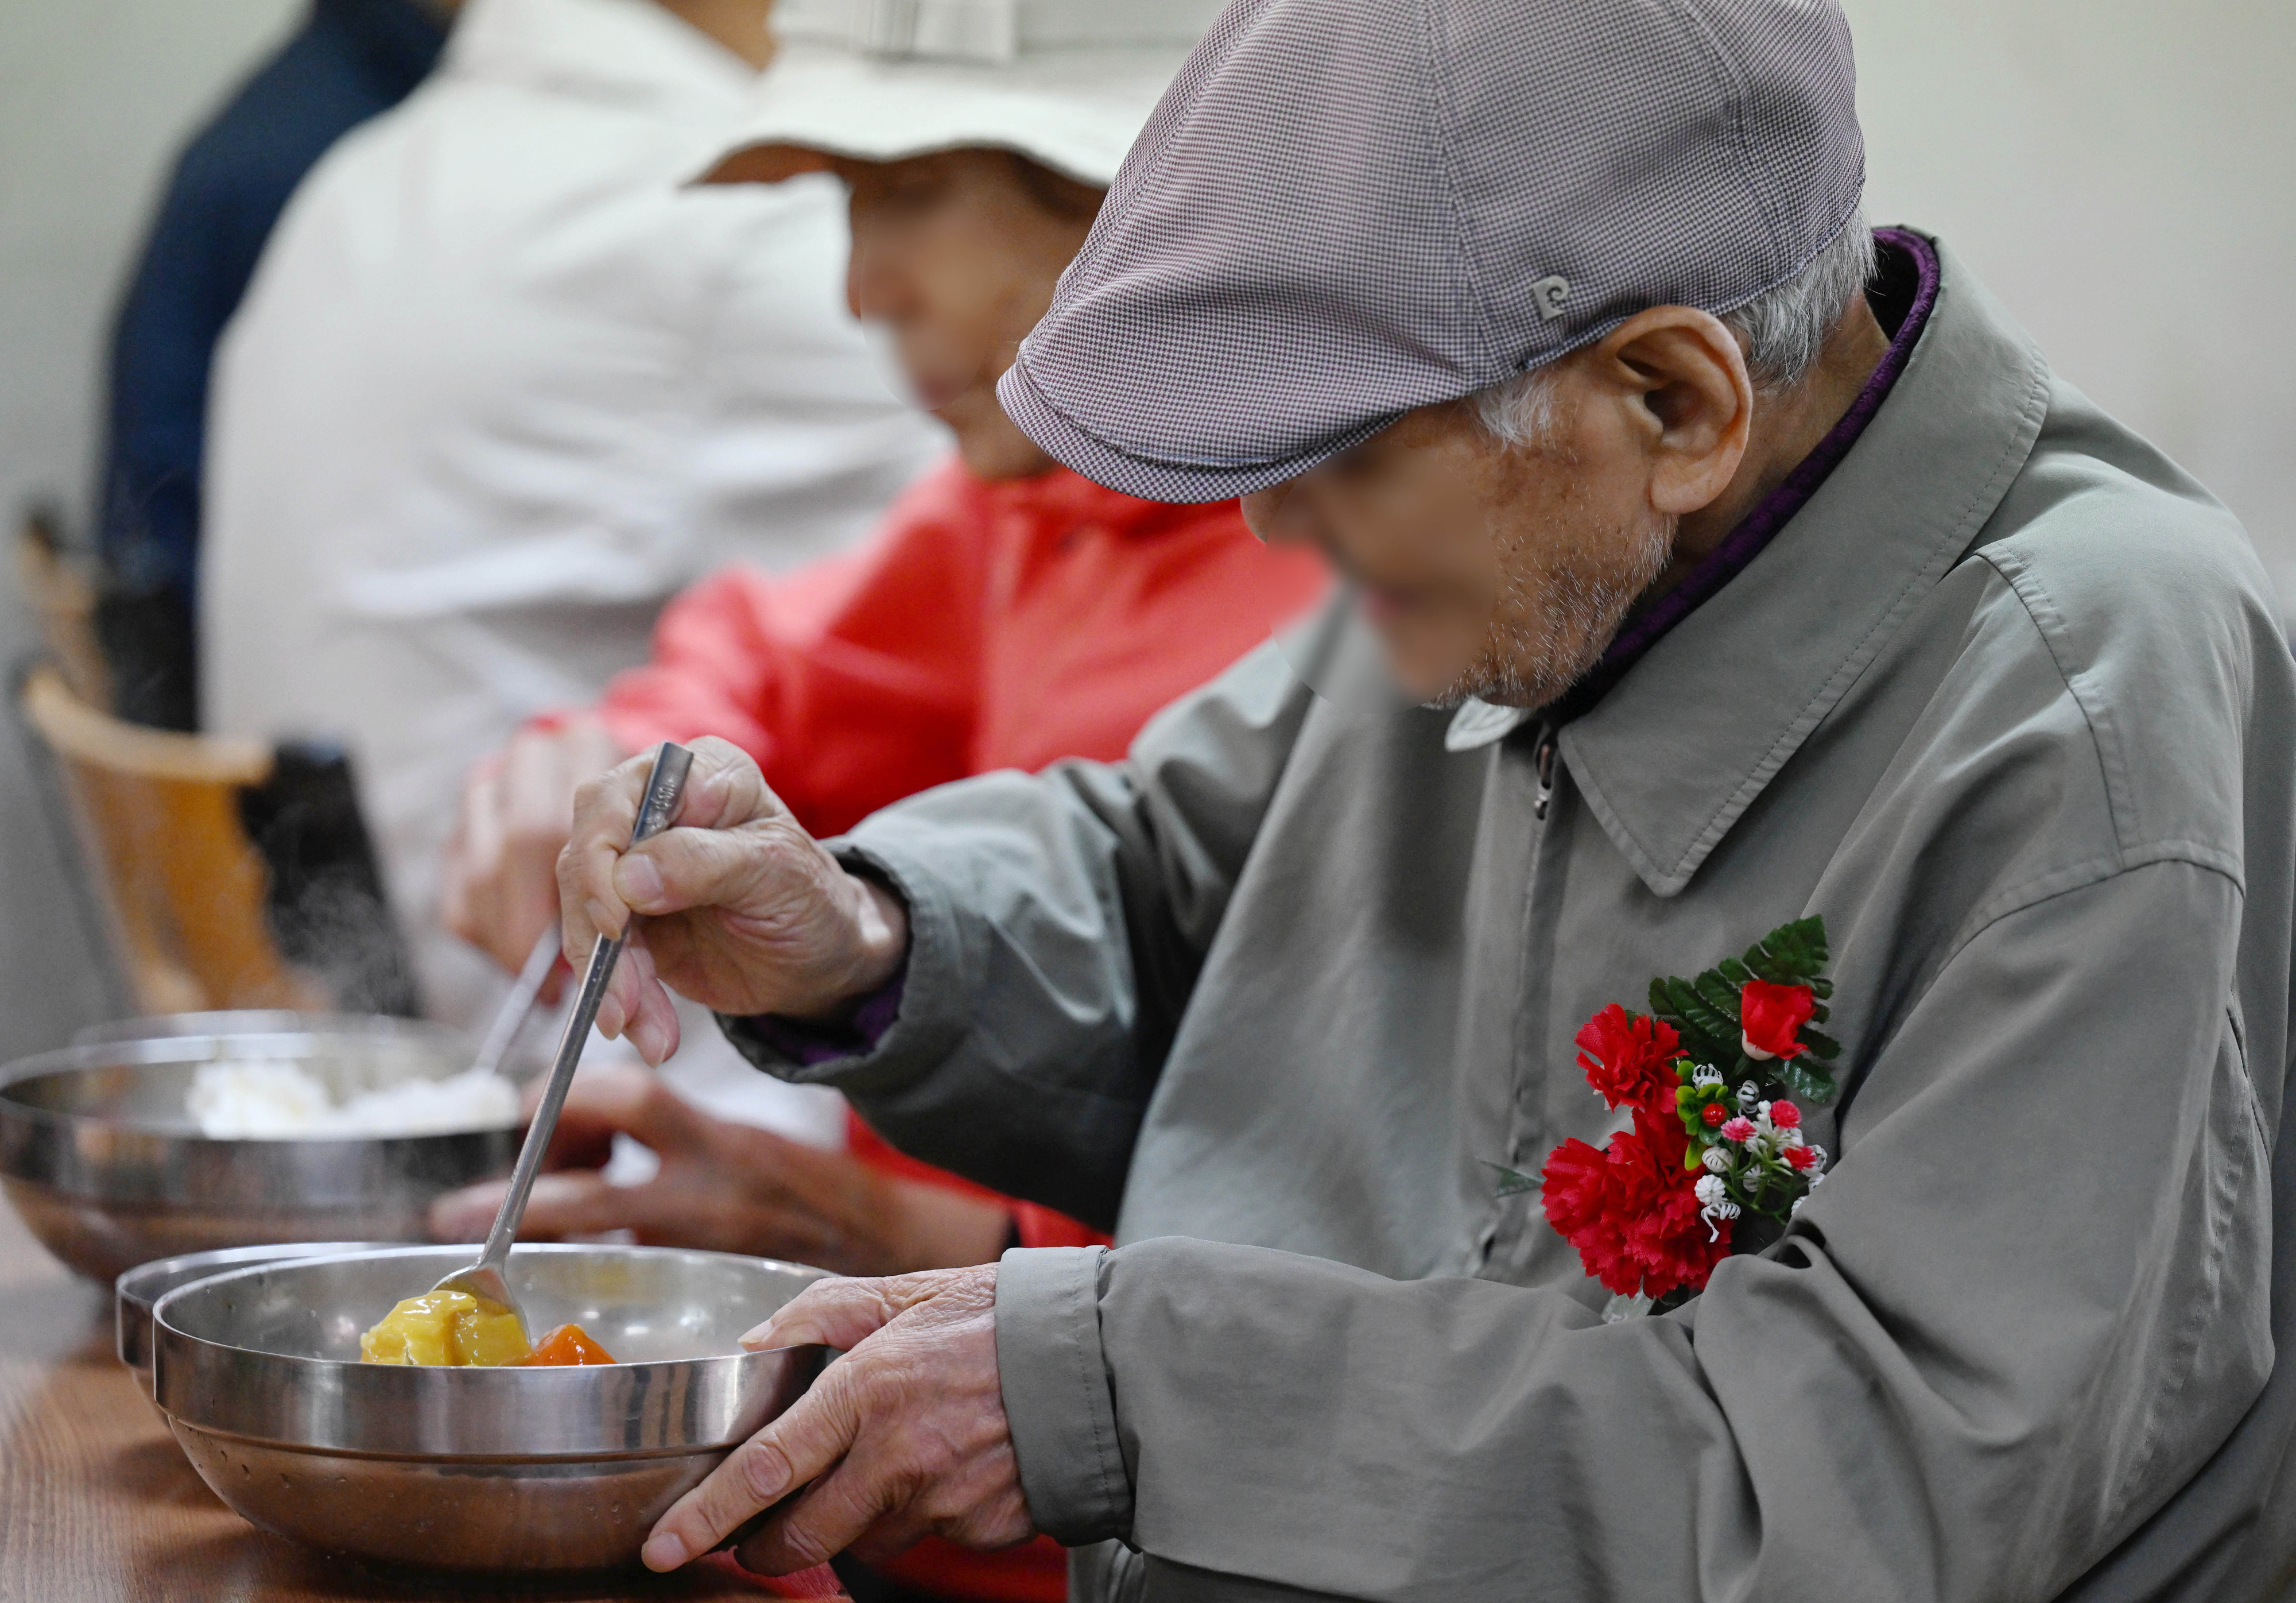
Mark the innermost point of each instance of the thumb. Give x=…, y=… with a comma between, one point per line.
x=684, y=868
x=790, y=1451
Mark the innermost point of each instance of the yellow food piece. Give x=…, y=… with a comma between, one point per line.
x=445, y=1327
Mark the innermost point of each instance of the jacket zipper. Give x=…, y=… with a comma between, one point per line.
x=1543, y=761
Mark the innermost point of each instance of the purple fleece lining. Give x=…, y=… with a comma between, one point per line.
x=809, y=1046
x=1744, y=543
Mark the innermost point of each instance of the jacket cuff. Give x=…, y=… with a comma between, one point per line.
x=809, y=1045
x=1057, y=1400
x=903, y=1030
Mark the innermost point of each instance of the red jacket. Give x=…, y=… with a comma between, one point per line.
x=987, y=625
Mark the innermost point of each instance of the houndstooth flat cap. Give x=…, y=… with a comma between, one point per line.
x=1344, y=210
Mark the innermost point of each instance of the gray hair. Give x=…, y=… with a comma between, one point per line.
x=1783, y=330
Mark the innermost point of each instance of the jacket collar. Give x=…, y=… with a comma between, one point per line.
x=629, y=51
x=1671, y=758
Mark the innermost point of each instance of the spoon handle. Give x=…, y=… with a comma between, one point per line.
x=664, y=786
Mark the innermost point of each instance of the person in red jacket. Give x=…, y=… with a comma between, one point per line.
x=1008, y=614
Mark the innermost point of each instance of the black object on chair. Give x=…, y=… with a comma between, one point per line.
x=325, y=901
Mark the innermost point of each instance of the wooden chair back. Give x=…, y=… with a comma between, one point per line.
x=182, y=889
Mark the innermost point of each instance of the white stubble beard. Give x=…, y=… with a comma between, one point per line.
x=1550, y=626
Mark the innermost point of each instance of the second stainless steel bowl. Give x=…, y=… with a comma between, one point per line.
x=138, y=1291
x=100, y=1156
x=509, y=1470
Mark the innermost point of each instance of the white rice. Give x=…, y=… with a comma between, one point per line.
x=274, y=1099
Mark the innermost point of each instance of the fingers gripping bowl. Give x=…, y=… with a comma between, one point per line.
x=473, y=1468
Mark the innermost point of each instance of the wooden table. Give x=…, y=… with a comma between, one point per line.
x=97, y=1504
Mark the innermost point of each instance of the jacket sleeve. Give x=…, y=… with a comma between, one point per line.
x=2029, y=1301
x=1057, y=922
x=853, y=681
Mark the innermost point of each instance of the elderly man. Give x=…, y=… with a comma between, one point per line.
x=1748, y=590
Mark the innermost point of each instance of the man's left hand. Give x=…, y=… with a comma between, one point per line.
x=903, y=1437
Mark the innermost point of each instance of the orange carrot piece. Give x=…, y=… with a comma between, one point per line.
x=568, y=1344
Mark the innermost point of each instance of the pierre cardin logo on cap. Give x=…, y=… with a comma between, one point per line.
x=1551, y=292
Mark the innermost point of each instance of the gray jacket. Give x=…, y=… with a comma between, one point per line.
x=2006, y=704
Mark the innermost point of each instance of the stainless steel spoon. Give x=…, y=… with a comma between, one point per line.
x=485, y=1280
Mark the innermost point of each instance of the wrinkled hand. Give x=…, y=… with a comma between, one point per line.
x=903, y=1437
x=744, y=911
x=517, y=808
x=726, y=1188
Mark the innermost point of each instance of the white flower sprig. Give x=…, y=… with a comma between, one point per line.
x=1756, y=1161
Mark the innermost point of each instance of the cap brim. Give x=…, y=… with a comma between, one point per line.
x=1150, y=479
x=1076, y=112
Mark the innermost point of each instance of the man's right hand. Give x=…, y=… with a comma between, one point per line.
x=743, y=910
x=501, y=869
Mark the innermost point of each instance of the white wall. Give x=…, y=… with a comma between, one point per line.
x=2122, y=173
x=94, y=98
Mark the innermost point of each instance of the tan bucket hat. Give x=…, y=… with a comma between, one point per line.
x=1067, y=83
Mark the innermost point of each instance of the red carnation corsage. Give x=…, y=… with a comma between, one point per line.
x=1717, y=1074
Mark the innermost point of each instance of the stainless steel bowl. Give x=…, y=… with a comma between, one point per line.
x=99, y=1155
x=134, y=1293
x=538, y=1469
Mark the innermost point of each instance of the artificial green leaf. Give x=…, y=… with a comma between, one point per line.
x=1805, y=1080
x=1708, y=1036
x=1792, y=954
x=1734, y=971
x=1721, y=996
x=1512, y=1182
x=1820, y=1043
x=1662, y=1006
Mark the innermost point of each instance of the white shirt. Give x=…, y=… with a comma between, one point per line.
x=500, y=387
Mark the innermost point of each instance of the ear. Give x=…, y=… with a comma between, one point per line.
x=1688, y=399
